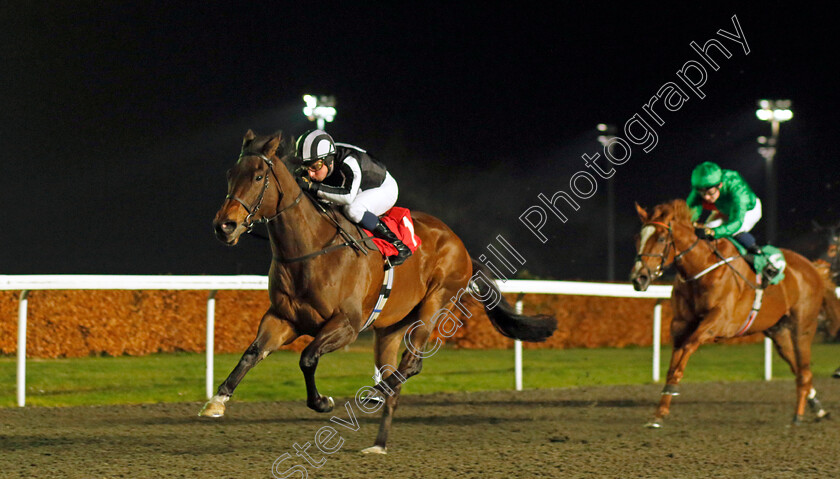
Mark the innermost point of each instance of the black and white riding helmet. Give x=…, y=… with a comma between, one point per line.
x=315, y=145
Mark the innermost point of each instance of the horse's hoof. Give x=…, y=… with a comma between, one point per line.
x=322, y=404
x=797, y=420
x=671, y=390
x=836, y=373
x=655, y=424
x=375, y=450
x=822, y=414
x=212, y=409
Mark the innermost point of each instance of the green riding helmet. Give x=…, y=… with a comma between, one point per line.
x=706, y=175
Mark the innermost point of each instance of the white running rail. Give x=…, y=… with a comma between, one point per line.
x=27, y=283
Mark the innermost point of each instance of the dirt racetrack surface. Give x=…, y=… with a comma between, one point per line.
x=715, y=430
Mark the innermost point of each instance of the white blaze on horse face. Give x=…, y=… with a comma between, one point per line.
x=645, y=235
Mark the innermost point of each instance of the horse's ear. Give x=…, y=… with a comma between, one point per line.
x=249, y=137
x=643, y=215
x=272, y=144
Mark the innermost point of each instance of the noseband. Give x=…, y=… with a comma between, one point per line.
x=663, y=257
x=249, y=222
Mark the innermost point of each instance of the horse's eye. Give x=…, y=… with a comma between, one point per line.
x=660, y=240
x=259, y=178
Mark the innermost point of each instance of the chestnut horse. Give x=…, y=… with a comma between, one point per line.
x=323, y=288
x=712, y=299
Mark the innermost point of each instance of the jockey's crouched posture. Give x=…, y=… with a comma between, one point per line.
x=347, y=175
x=734, y=208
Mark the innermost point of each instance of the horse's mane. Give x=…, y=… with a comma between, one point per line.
x=286, y=153
x=674, y=210
x=286, y=150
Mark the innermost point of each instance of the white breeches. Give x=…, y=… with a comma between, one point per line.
x=376, y=200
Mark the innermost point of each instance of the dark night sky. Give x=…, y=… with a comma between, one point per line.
x=118, y=123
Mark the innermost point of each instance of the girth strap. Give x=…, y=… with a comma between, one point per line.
x=759, y=293
x=384, y=293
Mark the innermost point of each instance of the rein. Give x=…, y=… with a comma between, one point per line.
x=726, y=261
x=664, y=256
x=349, y=240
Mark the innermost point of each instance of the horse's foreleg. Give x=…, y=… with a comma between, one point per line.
x=272, y=334
x=679, y=360
x=335, y=334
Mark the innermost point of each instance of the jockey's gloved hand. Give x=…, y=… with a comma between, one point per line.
x=704, y=233
x=306, y=184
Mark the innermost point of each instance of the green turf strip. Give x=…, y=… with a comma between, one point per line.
x=180, y=377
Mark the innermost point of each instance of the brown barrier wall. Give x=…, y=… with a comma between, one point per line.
x=82, y=323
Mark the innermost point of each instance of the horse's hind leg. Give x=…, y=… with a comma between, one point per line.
x=802, y=336
x=793, y=340
x=272, y=334
x=335, y=334
x=387, y=348
x=425, y=317
x=782, y=339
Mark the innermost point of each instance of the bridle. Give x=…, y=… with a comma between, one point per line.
x=249, y=222
x=663, y=257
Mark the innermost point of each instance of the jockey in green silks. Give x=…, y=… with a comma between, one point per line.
x=734, y=208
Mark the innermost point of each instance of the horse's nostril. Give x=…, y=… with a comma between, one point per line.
x=228, y=226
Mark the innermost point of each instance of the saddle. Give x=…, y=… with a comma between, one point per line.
x=760, y=262
x=399, y=221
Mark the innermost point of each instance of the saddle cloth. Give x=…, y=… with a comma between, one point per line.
x=399, y=221
x=771, y=255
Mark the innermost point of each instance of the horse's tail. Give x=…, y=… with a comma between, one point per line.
x=831, y=306
x=502, y=315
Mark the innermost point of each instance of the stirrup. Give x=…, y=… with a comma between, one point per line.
x=769, y=273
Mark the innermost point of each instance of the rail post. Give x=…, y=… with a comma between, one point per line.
x=657, y=338
x=517, y=350
x=211, y=335
x=21, y=348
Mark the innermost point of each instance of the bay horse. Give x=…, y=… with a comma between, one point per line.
x=830, y=257
x=829, y=265
x=713, y=296
x=322, y=288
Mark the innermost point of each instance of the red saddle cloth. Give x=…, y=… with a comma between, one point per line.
x=399, y=221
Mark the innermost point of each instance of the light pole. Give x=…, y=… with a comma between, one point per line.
x=320, y=109
x=775, y=112
x=607, y=133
